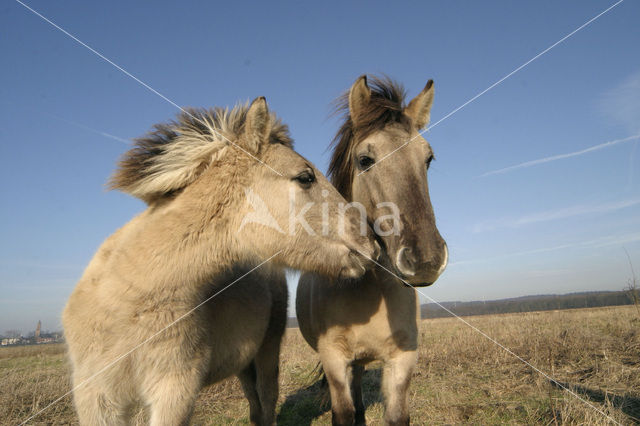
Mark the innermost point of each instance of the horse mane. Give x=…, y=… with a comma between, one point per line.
x=173, y=154
x=385, y=107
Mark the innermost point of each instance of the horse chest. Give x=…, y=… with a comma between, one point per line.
x=382, y=336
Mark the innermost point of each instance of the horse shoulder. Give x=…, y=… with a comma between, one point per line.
x=84, y=294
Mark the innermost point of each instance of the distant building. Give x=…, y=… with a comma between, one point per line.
x=35, y=337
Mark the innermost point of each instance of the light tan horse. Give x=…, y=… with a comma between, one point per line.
x=198, y=177
x=375, y=317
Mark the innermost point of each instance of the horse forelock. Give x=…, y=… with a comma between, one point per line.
x=385, y=107
x=174, y=154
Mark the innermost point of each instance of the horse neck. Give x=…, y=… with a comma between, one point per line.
x=188, y=241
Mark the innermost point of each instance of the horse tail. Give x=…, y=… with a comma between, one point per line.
x=317, y=374
x=318, y=379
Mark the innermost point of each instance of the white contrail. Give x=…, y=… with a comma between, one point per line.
x=600, y=242
x=90, y=129
x=560, y=156
x=71, y=122
x=549, y=215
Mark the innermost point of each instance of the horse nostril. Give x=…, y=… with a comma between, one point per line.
x=405, y=261
x=445, y=261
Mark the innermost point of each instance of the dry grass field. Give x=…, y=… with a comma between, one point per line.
x=462, y=378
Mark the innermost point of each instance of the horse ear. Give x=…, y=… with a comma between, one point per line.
x=258, y=124
x=419, y=109
x=359, y=96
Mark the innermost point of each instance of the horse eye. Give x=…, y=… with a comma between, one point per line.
x=429, y=160
x=305, y=179
x=365, y=162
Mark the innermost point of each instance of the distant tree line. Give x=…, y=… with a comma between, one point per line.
x=529, y=304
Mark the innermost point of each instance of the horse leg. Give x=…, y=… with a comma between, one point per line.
x=396, y=378
x=267, y=368
x=248, y=379
x=336, y=369
x=172, y=396
x=95, y=407
x=356, y=393
x=267, y=360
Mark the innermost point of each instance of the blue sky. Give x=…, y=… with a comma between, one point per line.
x=555, y=226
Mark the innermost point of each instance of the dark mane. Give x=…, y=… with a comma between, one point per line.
x=385, y=107
x=173, y=154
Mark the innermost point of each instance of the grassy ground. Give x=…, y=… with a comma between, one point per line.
x=461, y=376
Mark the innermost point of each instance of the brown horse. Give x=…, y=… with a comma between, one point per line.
x=133, y=334
x=375, y=317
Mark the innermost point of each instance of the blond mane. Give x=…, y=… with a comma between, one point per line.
x=173, y=154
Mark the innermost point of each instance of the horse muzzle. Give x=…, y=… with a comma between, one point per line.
x=420, y=272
